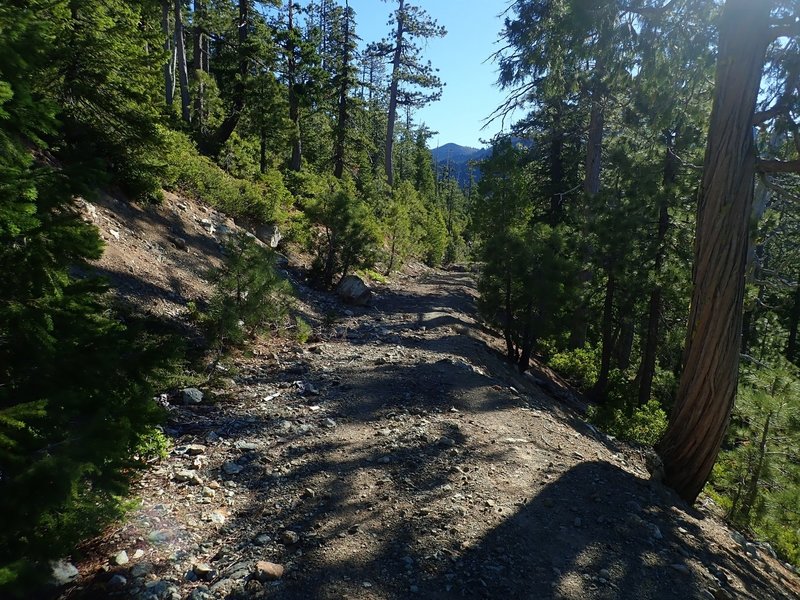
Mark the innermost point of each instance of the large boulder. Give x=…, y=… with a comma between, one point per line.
x=353, y=290
x=269, y=234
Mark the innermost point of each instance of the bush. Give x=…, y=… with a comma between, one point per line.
x=261, y=201
x=645, y=426
x=349, y=238
x=250, y=296
x=580, y=367
x=302, y=330
x=435, y=238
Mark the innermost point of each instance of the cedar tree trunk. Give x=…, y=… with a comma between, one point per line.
x=707, y=386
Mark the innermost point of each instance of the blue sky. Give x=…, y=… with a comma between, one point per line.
x=462, y=57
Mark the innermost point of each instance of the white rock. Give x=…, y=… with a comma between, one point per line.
x=353, y=290
x=63, y=572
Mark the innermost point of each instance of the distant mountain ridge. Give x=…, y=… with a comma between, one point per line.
x=458, y=154
x=458, y=159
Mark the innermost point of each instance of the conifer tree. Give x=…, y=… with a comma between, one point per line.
x=410, y=77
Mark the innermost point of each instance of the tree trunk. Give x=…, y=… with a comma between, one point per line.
x=591, y=187
x=343, y=117
x=509, y=318
x=294, y=99
x=263, y=149
x=794, y=320
x=169, y=50
x=225, y=130
x=647, y=368
x=200, y=64
x=623, y=345
x=707, y=386
x=183, y=70
x=527, y=340
x=398, y=53
x=594, y=147
x=598, y=392
x=557, y=187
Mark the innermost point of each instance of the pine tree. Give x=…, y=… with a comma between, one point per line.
x=410, y=76
x=75, y=383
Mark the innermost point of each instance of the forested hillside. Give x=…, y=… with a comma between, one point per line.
x=271, y=112
x=646, y=244
x=635, y=230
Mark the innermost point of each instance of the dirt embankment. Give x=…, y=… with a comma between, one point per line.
x=395, y=456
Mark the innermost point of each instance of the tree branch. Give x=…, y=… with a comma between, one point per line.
x=780, y=108
x=649, y=11
x=788, y=27
x=777, y=166
x=771, y=185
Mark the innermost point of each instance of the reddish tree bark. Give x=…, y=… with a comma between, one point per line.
x=707, y=386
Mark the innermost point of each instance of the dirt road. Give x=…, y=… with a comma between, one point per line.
x=398, y=456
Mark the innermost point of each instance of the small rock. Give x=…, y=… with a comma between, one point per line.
x=446, y=441
x=223, y=587
x=490, y=503
x=738, y=538
x=138, y=554
x=204, y=571
x=179, y=243
x=191, y=396
x=262, y=539
x=268, y=571
x=751, y=549
x=195, y=449
x=208, y=492
x=239, y=570
x=605, y=574
x=247, y=446
x=62, y=572
x=201, y=593
x=187, y=476
x=680, y=568
x=329, y=423
x=121, y=558
x=655, y=532
x=290, y=537
x=141, y=569
x=231, y=468
x=218, y=517
x=310, y=390
x=161, y=590
x=117, y=582
x=161, y=536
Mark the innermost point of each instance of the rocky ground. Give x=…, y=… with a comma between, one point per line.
x=396, y=455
